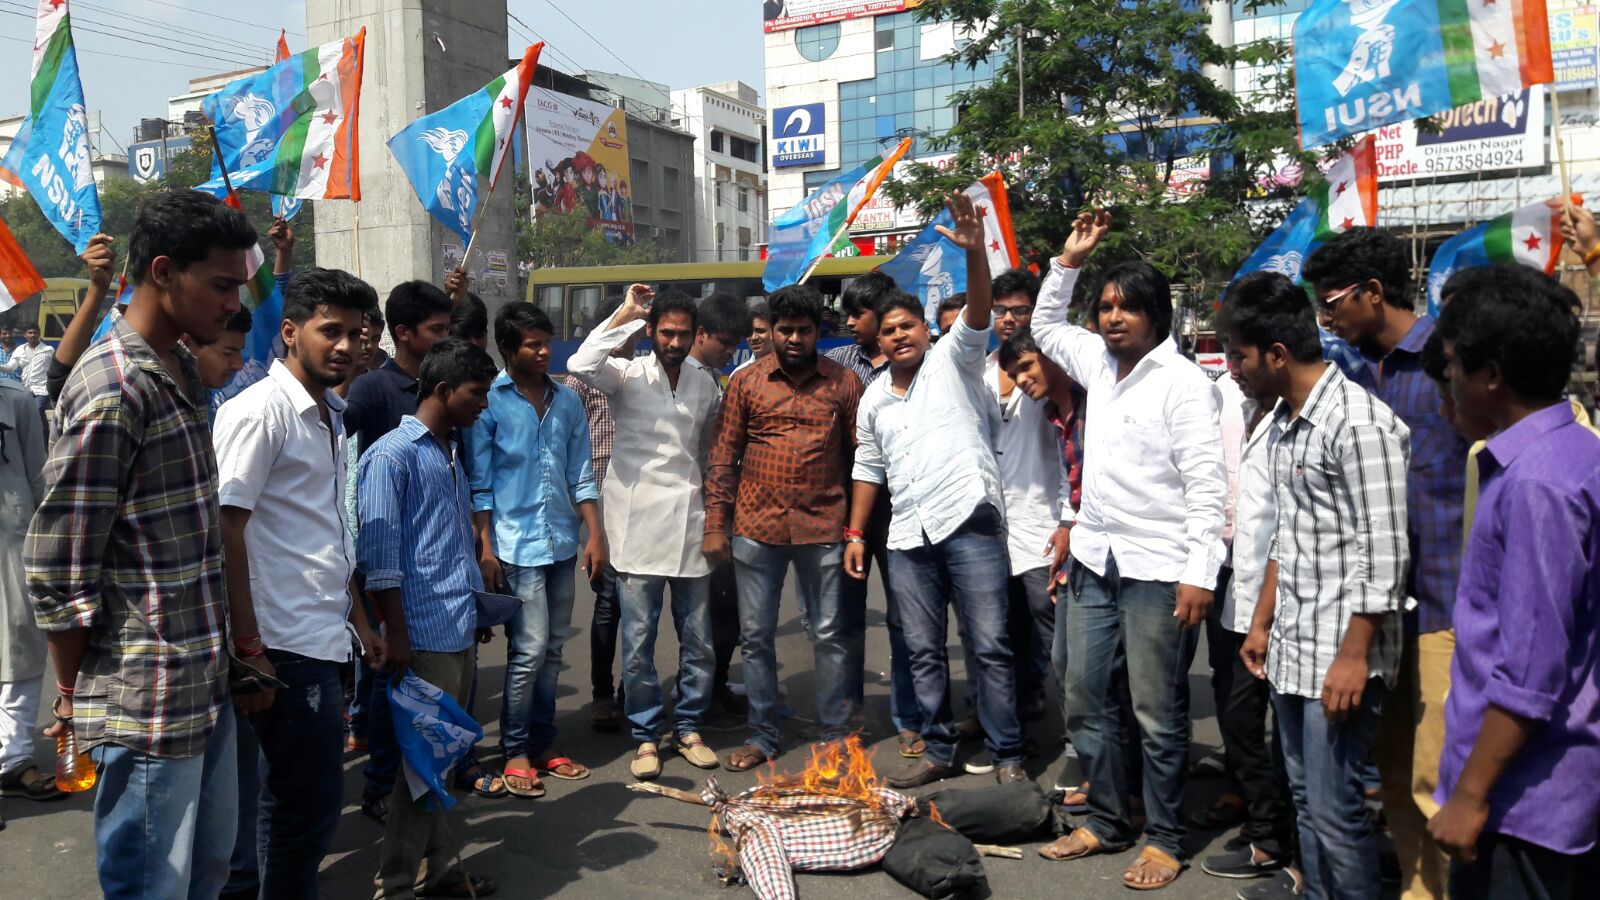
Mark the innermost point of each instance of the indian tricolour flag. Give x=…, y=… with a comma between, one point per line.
x=1363, y=64
x=444, y=153
x=1530, y=236
x=809, y=230
x=292, y=130
x=1346, y=198
x=18, y=278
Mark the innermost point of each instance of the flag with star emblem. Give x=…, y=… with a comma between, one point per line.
x=51, y=157
x=444, y=153
x=1346, y=198
x=1530, y=236
x=820, y=224
x=1363, y=64
x=931, y=267
x=292, y=130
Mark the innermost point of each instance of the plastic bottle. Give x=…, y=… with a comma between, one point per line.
x=74, y=768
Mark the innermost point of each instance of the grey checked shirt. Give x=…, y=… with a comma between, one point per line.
x=1339, y=473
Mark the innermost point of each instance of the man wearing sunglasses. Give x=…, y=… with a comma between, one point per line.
x=1364, y=295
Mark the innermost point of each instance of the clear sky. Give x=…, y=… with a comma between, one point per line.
x=681, y=43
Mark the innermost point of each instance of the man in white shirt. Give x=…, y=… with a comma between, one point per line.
x=280, y=458
x=653, y=506
x=1146, y=546
x=1033, y=473
x=926, y=432
x=31, y=362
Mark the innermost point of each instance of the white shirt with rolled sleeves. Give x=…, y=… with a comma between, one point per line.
x=653, y=501
x=31, y=364
x=1033, y=473
x=276, y=458
x=1154, y=486
x=934, y=447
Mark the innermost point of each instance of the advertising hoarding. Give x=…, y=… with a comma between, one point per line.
x=578, y=161
x=1497, y=133
x=799, y=135
x=782, y=15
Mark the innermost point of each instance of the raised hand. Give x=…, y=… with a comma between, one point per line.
x=968, y=231
x=99, y=258
x=1087, y=231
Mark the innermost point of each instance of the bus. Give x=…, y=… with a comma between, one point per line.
x=572, y=297
x=58, y=302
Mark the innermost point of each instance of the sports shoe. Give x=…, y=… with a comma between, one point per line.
x=1286, y=886
x=982, y=764
x=1245, y=863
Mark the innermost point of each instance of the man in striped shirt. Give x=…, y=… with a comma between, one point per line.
x=124, y=562
x=1326, y=631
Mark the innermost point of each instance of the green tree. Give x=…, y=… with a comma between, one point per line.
x=1118, y=96
x=554, y=240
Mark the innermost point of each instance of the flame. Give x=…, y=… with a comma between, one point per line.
x=837, y=769
x=935, y=818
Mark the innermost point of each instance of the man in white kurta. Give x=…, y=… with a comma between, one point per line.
x=653, y=505
x=22, y=644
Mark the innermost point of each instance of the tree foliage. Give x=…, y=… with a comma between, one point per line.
x=52, y=255
x=1118, y=97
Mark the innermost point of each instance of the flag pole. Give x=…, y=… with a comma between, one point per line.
x=1561, y=147
x=356, y=236
x=216, y=153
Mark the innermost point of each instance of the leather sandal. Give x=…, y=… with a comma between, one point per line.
x=1153, y=858
x=1080, y=843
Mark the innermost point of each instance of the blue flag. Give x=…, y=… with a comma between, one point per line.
x=50, y=155
x=261, y=346
x=1363, y=64
x=808, y=231
x=433, y=732
x=286, y=208
x=930, y=266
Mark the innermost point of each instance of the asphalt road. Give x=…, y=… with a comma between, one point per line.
x=595, y=838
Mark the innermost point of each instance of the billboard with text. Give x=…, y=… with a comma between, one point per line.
x=578, y=161
x=781, y=15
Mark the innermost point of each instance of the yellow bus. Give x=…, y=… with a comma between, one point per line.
x=572, y=297
x=57, y=303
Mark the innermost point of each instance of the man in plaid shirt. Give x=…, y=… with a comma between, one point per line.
x=1362, y=279
x=124, y=562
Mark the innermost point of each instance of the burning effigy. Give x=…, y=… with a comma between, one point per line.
x=835, y=816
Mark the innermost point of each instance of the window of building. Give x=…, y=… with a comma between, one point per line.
x=669, y=182
x=817, y=42
x=716, y=142
x=744, y=252
x=672, y=240
x=885, y=39
x=739, y=148
x=719, y=194
x=744, y=199
x=641, y=179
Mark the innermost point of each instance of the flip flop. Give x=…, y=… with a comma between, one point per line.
x=528, y=793
x=1061, y=849
x=552, y=766
x=912, y=746
x=745, y=758
x=481, y=782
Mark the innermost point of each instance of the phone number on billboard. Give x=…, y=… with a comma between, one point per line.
x=1469, y=162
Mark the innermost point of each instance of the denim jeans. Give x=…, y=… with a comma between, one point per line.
x=244, y=867
x=641, y=598
x=1512, y=869
x=383, y=754
x=761, y=569
x=301, y=773
x=1117, y=625
x=903, y=708
x=968, y=568
x=164, y=826
x=603, y=628
x=1338, y=849
x=533, y=659
x=1031, y=621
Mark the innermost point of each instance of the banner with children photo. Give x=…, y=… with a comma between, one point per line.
x=578, y=160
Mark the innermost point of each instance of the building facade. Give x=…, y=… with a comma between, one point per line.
x=849, y=84
x=730, y=182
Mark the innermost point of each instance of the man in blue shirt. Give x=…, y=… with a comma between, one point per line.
x=1362, y=279
x=532, y=482
x=413, y=494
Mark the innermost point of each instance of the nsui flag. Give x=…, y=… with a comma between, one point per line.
x=1346, y=198
x=1362, y=64
x=810, y=229
x=1530, y=236
x=930, y=265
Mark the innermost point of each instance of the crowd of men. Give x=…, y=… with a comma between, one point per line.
x=1389, y=529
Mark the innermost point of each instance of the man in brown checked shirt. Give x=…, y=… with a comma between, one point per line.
x=778, y=474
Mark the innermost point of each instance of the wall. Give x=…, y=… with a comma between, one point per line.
x=733, y=110
x=662, y=210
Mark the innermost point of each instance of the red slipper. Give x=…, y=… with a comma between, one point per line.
x=551, y=765
x=527, y=793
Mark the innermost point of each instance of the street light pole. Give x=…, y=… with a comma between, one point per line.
x=1021, y=88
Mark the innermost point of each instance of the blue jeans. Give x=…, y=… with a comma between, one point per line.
x=903, y=708
x=245, y=874
x=164, y=826
x=603, y=635
x=533, y=659
x=1117, y=624
x=301, y=773
x=641, y=598
x=969, y=568
x=1325, y=760
x=760, y=569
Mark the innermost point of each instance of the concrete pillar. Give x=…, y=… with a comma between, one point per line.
x=421, y=56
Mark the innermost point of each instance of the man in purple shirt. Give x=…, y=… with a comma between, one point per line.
x=1522, y=723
